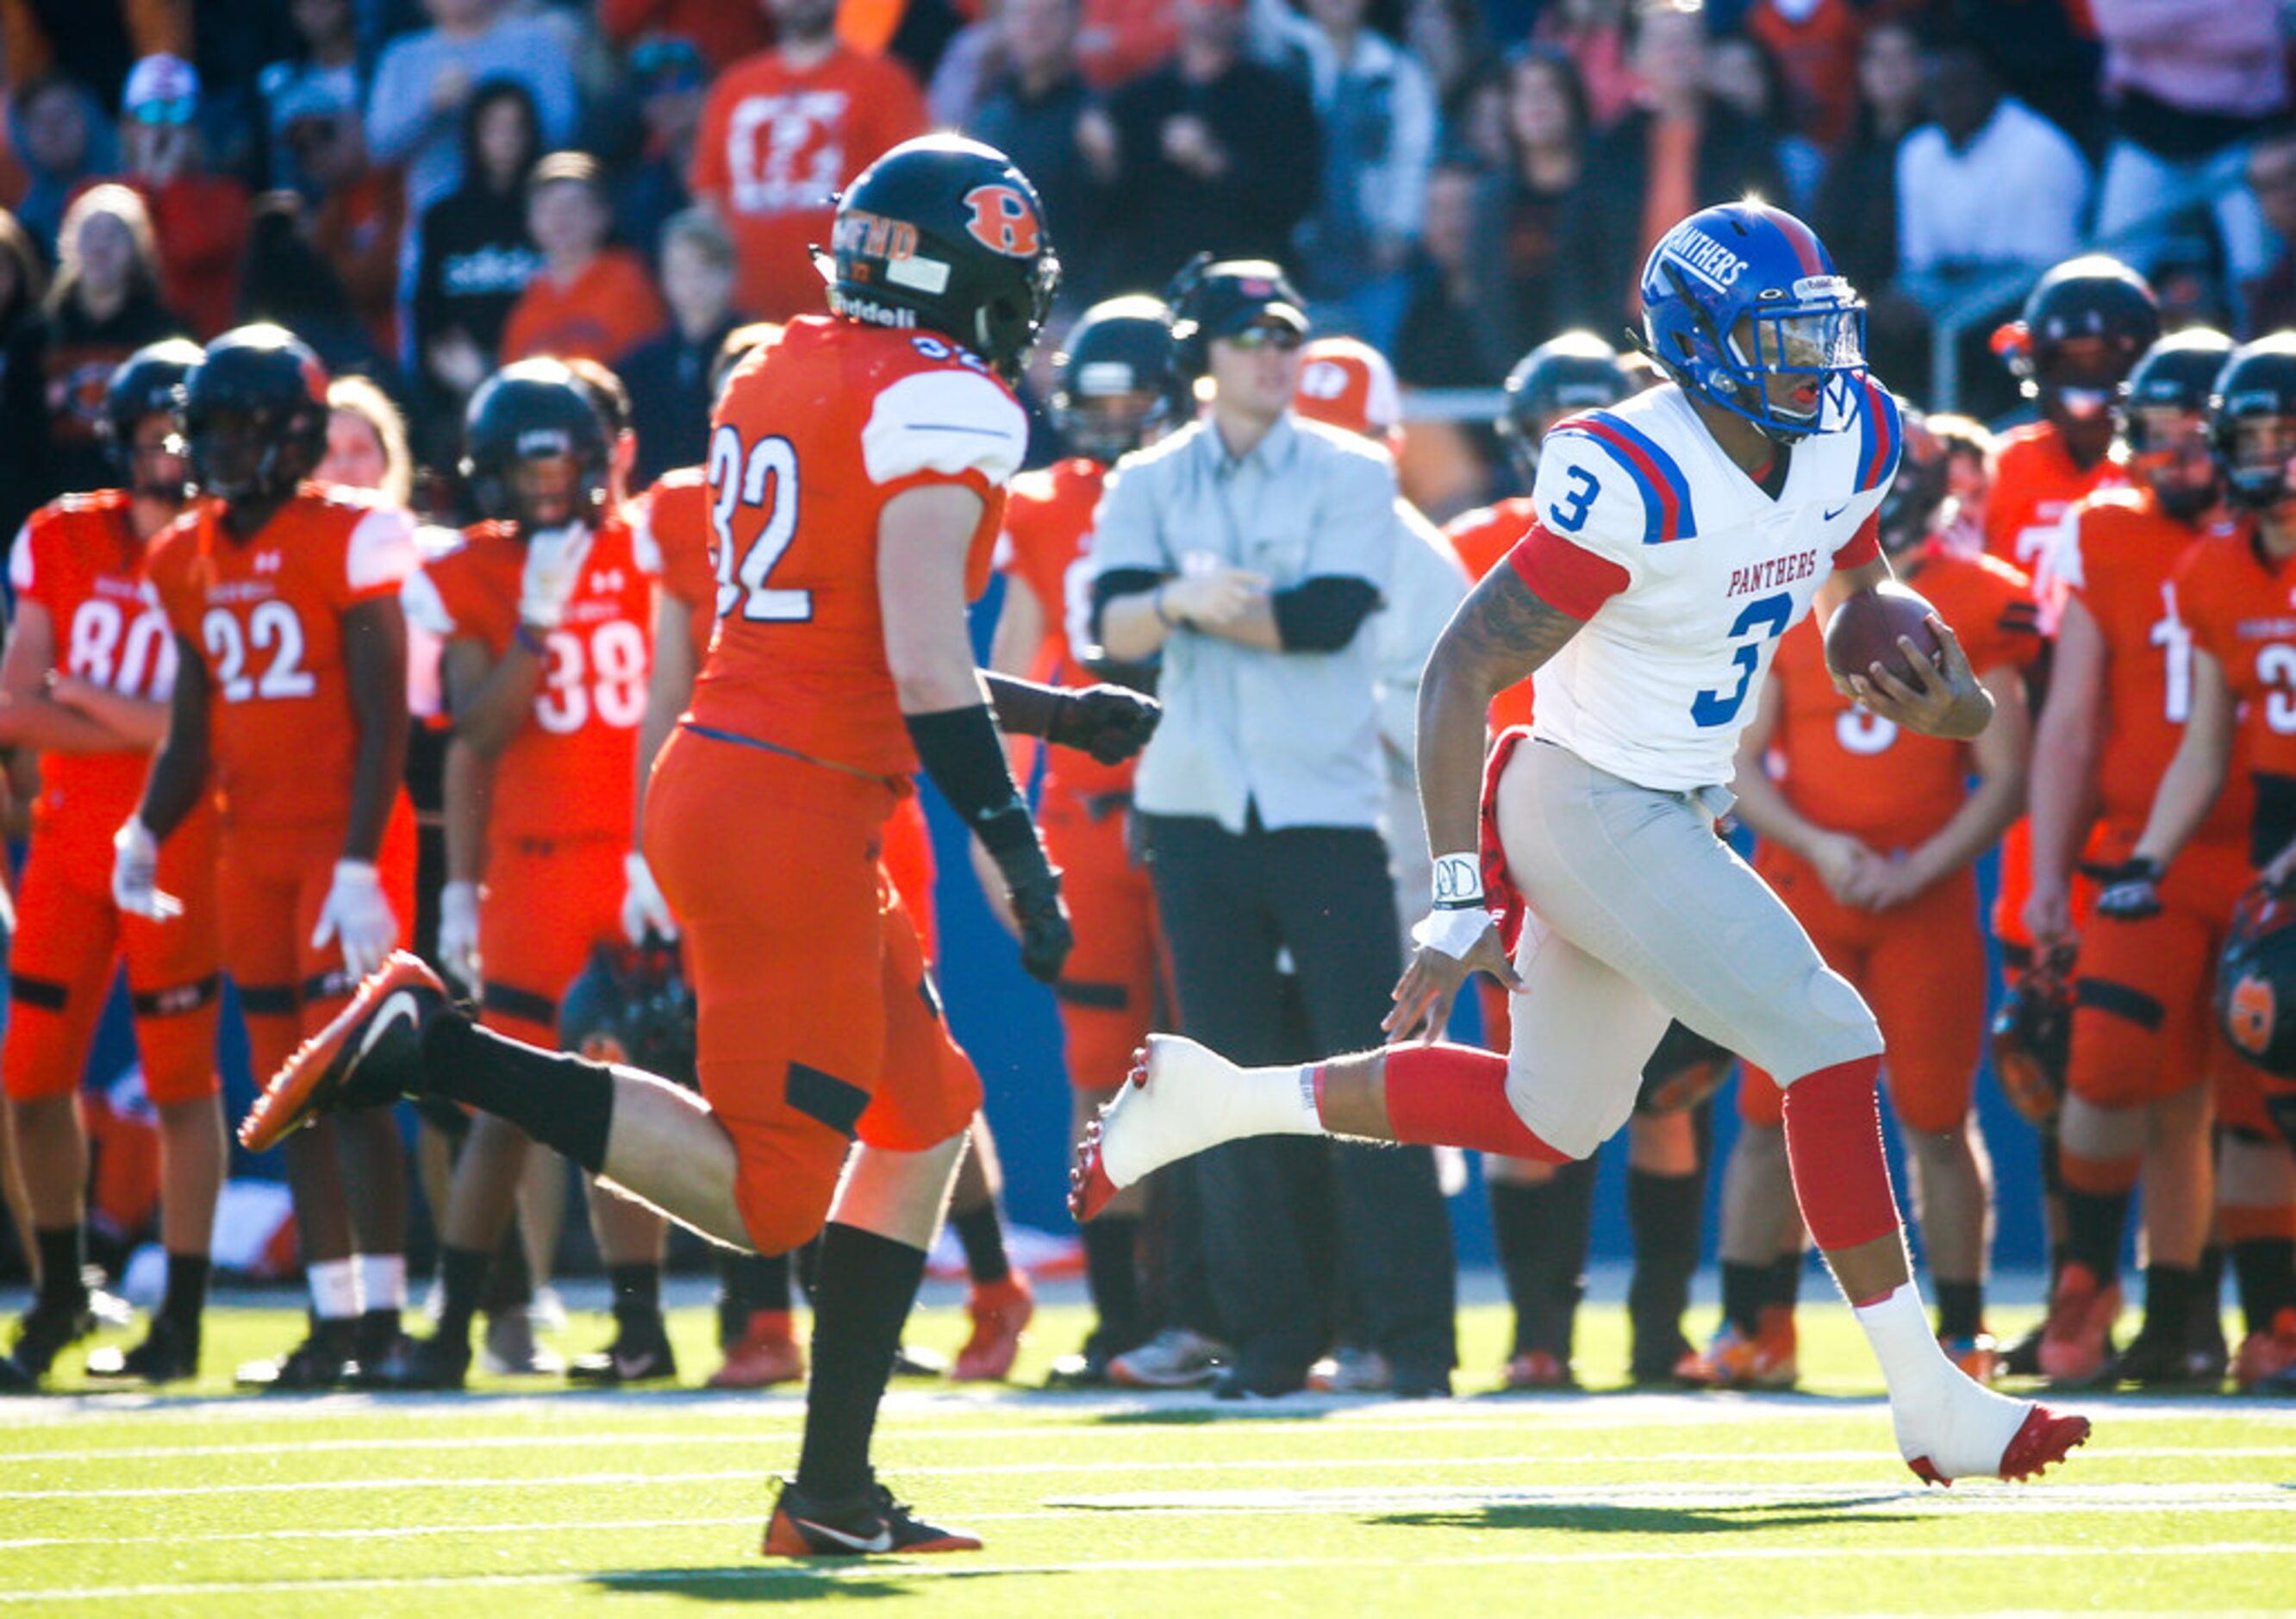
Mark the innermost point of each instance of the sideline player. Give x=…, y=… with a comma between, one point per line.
x=2243, y=651
x=290, y=704
x=84, y=684
x=1680, y=535
x=1870, y=834
x=840, y=664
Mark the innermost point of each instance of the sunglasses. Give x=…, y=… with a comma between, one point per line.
x=1281, y=338
x=170, y=113
x=667, y=59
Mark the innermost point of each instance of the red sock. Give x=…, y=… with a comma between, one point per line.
x=1455, y=1096
x=1833, y=1145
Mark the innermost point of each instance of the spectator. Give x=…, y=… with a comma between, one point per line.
x=1597, y=36
x=289, y=282
x=1987, y=183
x=1678, y=151
x=64, y=140
x=2187, y=81
x=1815, y=46
x=587, y=302
x=670, y=81
x=91, y=42
x=1856, y=214
x=1378, y=113
x=1453, y=332
x=1122, y=40
x=23, y=283
x=1548, y=140
x=200, y=217
x=1475, y=127
x=1031, y=113
x=1212, y=152
x=474, y=261
x=2046, y=56
x=1743, y=76
x=366, y=442
x=2270, y=299
x=724, y=31
x=424, y=84
x=103, y=306
x=1451, y=43
x=668, y=378
x=357, y=210
x=780, y=133
x=306, y=95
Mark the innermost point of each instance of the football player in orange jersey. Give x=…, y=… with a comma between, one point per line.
x=1114, y=390
x=2235, y=593
x=841, y=665
x=1870, y=834
x=2137, y=1097
x=289, y=706
x=84, y=684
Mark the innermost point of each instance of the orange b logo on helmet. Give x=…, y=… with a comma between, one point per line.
x=1003, y=221
x=2249, y=1015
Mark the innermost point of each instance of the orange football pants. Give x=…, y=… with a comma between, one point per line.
x=820, y=1023
x=1107, y=990
x=69, y=937
x=544, y=905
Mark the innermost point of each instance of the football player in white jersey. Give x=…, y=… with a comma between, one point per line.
x=1678, y=534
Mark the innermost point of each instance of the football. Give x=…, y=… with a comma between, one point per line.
x=1864, y=631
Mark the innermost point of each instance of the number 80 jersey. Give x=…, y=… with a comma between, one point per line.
x=814, y=433
x=1691, y=571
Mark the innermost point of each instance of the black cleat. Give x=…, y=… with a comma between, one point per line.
x=909, y=1362
x=639, y=1353
x=369, y=1057
x=2152, y=1362
x=322, y=1360
x=376, y=1339
x=47, y=1330
x=169, y=1354
x=2023, y=1359
x=871, y=1524
x=441, y=1364
x=15, y=1379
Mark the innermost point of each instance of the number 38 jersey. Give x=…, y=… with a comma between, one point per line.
x=566, y=774
x=1690, y=571
x=81, y=560
x=816, y=432
x=266, y=615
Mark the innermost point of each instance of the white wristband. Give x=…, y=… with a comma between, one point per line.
x=1453, y=932
x=1458, y=881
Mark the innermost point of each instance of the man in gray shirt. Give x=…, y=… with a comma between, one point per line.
x=1249, y=549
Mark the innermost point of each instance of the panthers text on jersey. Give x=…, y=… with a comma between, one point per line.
x=266, y=615
x=1686, y=572
x=815, y=433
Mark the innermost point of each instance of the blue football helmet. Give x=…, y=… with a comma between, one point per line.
x=1738, y=295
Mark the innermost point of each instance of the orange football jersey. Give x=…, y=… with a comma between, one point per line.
x=1851, y=772
x=2119, y=560
x=669, y=524
x=2034, y=484
x=565, y=775
x=1047, y=537
x=814, y=434
x=2240, y=605
x=1481, y=539
x=266, y=615
x=79, y=558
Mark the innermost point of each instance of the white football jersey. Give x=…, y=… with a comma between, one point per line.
x=1662, y=679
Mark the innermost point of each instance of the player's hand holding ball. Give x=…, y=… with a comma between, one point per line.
x=1109, y=722
x=1888, y=649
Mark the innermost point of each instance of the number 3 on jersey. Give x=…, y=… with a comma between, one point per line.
x=761, y=477
x=1765, y=619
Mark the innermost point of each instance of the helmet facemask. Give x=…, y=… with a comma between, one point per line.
x=2169, y=449
x=1783, y=355
x=2257, y=453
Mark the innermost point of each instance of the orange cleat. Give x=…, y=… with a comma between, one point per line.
x=1979, y=1358
x=1767, y=1360
x=1539, y=1371
x=1001, y=1312
x=2077, y=1339
x=369, y=1057
x=767, y=1352
x=2266, y=1355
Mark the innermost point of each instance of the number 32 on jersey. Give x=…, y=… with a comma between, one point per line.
x=759, y=479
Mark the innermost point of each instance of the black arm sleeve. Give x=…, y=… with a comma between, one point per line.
x=961, y=750
x=1322, y=614
x=1120, y=581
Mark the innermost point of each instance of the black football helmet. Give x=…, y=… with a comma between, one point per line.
x=946, y=234
x=2253, y=419
x=2093, y=296
x=253, y=414
x=145, y=384
x=1117, y=347
x=2174, y=378
x=534, y=410
x=1574, y=372
x=1213, y=297
x=2032, y=1038
x=1685, y=1070
x=633, y=1006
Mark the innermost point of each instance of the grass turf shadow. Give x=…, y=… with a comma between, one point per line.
x=1595, y=1518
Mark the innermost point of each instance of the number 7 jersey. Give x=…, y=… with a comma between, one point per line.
x=814, y=434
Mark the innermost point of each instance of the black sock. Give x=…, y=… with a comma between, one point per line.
x=2208, y=1293
x=2095, y=1223
x=2167, y=1303
x=1113, y=1275
x=510, y=1281
x=867, y=1283
x=2264, y=1269
x=982, y=1234
x=637, y=1289
x=564, y=1102
x=748, y=1283
x=187, y=1289
x=1961, y=1309
x=1785, y=1278
x=60, y=1251
x=1662, y=1210
x=462, y=1275
x=1746, y=1289
x=806, y=1261
x=1543, y=1232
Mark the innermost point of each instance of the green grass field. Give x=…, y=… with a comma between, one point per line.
x=522, y=1502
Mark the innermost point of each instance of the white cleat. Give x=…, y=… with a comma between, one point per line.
x=1182, y=1099
x=1956, y=1428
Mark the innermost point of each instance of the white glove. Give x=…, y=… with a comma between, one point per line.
x=458, y=932
x=644, y=910
x=554, y=567
x=135, y=873
x=356, y=914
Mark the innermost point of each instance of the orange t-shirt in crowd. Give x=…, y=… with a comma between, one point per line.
x=1047, y=542
x=1119, y=40
x=2119, y=558
x=776, y=146
x=1851, y=772
x=1482, y=539
x=604, y=312
x=1816, y=54
x=2034, y=484
x=266, y=614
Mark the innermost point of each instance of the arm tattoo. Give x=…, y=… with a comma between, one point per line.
x=1505, y=631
